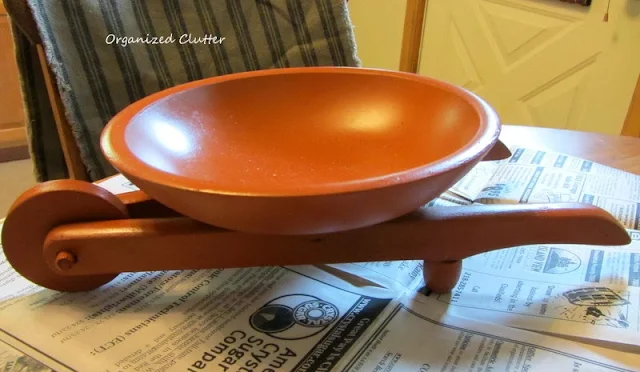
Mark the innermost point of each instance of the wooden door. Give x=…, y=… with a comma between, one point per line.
x=539, y=62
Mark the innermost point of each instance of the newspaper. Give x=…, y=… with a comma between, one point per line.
x=415, y=334
x=592, y=293
x=271, y=319
x=258, y=318
x=345, y=317
x=532, y=176
x=12, y=360
x=583, y=292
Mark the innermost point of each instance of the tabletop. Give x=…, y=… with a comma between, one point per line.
x=620, y=152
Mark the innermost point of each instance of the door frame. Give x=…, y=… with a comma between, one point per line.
x=414, y=19
x=631, y=126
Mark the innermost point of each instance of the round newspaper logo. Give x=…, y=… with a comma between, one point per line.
x=272, y=318
x=561, y=261
x=294, y=317
x=315, y=313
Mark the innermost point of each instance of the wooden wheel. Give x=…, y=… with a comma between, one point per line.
x=44, y=207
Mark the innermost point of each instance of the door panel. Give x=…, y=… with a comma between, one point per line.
x=542, y=63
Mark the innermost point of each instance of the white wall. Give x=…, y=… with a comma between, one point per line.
x=378, y=26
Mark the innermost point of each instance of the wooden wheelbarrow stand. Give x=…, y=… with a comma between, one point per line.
x=70, y=235
x=224, y=186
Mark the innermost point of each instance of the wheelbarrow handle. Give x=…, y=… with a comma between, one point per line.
x=433, y=234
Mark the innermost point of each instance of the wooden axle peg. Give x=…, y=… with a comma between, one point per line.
x=65, y=260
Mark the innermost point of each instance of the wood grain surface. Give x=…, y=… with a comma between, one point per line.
x=412, y=35
x=622, y=152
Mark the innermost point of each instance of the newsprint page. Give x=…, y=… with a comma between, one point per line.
x=586, y=292
x=532, y=308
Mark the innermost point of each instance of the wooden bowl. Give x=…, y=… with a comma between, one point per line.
x=301, y=150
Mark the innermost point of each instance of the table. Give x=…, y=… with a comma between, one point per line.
x=620, y=152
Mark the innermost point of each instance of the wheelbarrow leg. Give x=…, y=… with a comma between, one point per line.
x=441, y=276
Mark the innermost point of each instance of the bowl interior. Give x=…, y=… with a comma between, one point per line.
x=288, y=134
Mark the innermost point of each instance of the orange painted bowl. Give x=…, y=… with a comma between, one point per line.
x=294, y=151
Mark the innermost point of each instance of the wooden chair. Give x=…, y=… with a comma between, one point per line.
x=22, y=17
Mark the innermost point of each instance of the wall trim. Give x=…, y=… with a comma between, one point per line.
x=14, y=153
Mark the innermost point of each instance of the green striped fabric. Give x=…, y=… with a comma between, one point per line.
x=108, y=54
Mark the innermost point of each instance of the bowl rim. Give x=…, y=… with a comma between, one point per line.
x=116, y=151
